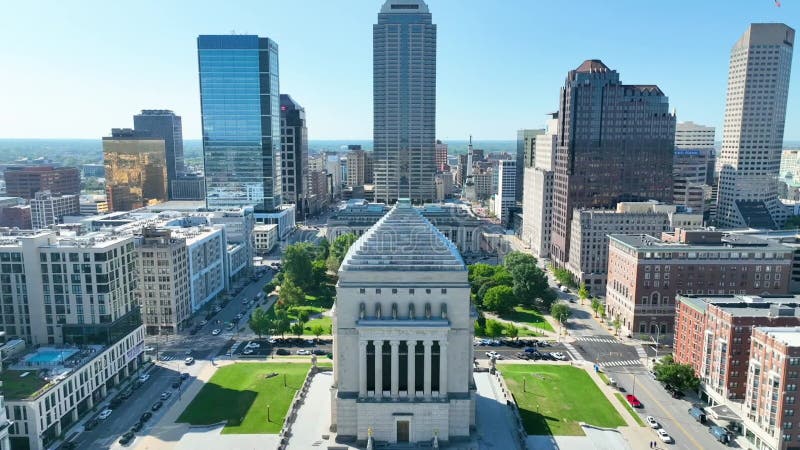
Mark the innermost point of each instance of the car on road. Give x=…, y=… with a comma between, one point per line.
x=216, y=332
x=189, y=361
x=144, y=377
x=633, y=401
x=248, y=351
x=319, y=351
x=137, y=426
x=68, y=445
x=523, y=355
x=664, y=436
x=494, y=355
x=252, y=345
x=720, y=434
x=304, y=352
x=116, y=401
x=564, y=289
x=652, y=422
x=165, y=395
x=559, y=356
x=104, y=414
x=282, y=352
x=238, y=316
x=127, y=438
x=203, y=322
x=149, y=349
x=145, y=416
x=157, y=405
x=90, y=424
x=529, y=350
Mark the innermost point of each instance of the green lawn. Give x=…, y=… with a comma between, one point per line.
x=16, y=387
x=557, y=398
x=629, y=408
x=529, y=317
x=240, y=393
x=324, y=321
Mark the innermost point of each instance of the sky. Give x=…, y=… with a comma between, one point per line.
x=78, y=69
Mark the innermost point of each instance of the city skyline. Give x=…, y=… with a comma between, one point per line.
x=517, y=92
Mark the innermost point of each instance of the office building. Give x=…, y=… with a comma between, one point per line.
x=645, y=273
x=294, y=153
x=404, y=101
x=136, y=170
x=526, y=149
x=752, y=135
x=93, y=170
x=26, y=181
x=537, y=199
x=164, y=124
x=265, y=237
x=14, y=213
x=403, y=363
x=356, y=166
x=506, y=190
x=588, y=258
x=240, y=105
x=318, y=196
x=48, y=209
x=189, y=186
x=444, y=185
x=441, y=155
x=604, y=157
x=693, y=166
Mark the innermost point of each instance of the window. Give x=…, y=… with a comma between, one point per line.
x=377, y=291
x=411, y=292
x=427, y=291
x=444, y=291
x=362, y=291
x=394, y=291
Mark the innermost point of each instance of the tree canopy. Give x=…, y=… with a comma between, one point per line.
x=297, y=260
x=560, y=311
x=681, y=376
x=499, y=299
x=291, y=294
x=338, y=250
x=261, y=323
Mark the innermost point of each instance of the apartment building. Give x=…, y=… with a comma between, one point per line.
x=163, y=280
x=265, y=237
x=645, y=273
x=48, y=209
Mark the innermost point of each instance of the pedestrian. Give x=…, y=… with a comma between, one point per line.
x=651, y=444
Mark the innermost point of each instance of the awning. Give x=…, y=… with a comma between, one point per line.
x=723, y=412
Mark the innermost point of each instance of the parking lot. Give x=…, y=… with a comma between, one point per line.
x=521, y=349
x=262, y=348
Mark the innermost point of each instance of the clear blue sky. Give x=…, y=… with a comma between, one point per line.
x=77, y=69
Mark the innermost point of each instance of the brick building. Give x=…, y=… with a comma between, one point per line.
x=646, y=273
x=26, y=181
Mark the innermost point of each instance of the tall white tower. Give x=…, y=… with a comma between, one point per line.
x=755, y=112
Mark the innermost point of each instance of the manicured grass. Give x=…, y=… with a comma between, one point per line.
x=629, y=408
x=16, y=387
x=604, y=377
x=324, y=321
x=240, y=393
x=529, y=317
x=557, y=398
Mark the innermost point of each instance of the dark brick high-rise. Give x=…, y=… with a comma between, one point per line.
x=615, y=143
x=26, y=181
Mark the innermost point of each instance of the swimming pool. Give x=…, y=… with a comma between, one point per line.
x=50, y=356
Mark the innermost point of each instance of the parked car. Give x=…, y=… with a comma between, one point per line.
x=720, y=434
x=282, y=352
x=564, y=289
x=189, y=360
x=664, y=436
x=157, y=405
x=184, y=375
x=304, y=352
x=144, y=377
x=165, y=395
x=137, y=427
x=104, y=414
x=253, y=345
x=149, y=349
x=126, y=393
x=494, y=355
x=651, y=421
x=176, y=384
x=90, y=424
x=216, y=332
x=559, y=356
x=126, y=438
x=529, y=350
x=145, y=416
x=698, y=414
x=633, y=401
x=319, y=351
x=68, y=445
x=203, y=322
x=116, y=401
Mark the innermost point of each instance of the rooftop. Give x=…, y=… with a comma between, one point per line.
x=592, y=65
x=403, y=240
x=728, y=241
x=37, y=372
x=18, y=387
x=788, y=335
x=743, y=305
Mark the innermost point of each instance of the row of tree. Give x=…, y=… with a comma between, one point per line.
x=265, y=324
x=518, y=281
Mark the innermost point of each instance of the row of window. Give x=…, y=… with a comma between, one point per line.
x=395, y=291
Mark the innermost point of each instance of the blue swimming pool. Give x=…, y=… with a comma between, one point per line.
x=50, y=356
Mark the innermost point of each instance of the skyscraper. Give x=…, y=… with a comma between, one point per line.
x=693, y=165
x=526, y=143
x=136, y=170
x=752, y=135
x=615, y=143
x=240, y=104
x=164, y=124
x=506, y=190
x=294, y=153
x=441, y=155
x=404, y=101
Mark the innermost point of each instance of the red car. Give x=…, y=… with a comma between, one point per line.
x=633, y=401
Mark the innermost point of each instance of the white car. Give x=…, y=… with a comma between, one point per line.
x=189, y=361
x=216, y=332
x=149, y=348
x=104, y=414
x=247, y=351
x=662, y=434
x=494, y=355
x=144, y=377
x=203, y=322
x=559, y=356
x=651, y=421
x=253, y=345
x=304, y=352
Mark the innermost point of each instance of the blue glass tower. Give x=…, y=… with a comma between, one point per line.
x=240, y=104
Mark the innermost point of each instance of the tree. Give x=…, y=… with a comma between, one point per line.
x=317, y=330
x=583, y=292
x=298, y=328
x=481, y=294
x=260, y=322
x=617, y=324
x=529, y=283
x=601, y=310
x=297, y=264
x=516, y=258
x=502, y=277
x=512, y=331
x=546, y=299
x=303, y=315
x=499, y=299
x=291, y=294
x=681, y=376
x=338, y=250
x=560, y=311
x=563, y=276
x=323, y=249
x=595, y=305
x=282, y=322
x=494, y=328
x=319, y=271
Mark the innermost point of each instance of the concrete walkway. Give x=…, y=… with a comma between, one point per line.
x=494, y=421
x=312, y=427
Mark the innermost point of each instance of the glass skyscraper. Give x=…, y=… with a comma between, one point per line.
x=240, y=103
x=404, y=101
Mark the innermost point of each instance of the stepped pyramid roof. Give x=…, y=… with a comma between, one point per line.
x=403, y=240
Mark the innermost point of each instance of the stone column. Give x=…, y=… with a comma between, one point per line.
x=378, y=369
x=90, y=401
x=428, y=368
x=103, y=391
x=58, y=427
x=395, y=367
x=442, y=368
x=362, y=369
x=74, y=413
x=412, y=369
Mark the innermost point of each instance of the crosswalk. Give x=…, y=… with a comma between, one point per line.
x=628, y=362
x=607, y=340
x=166, y=357
x=573, y=353
x=640, y=351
